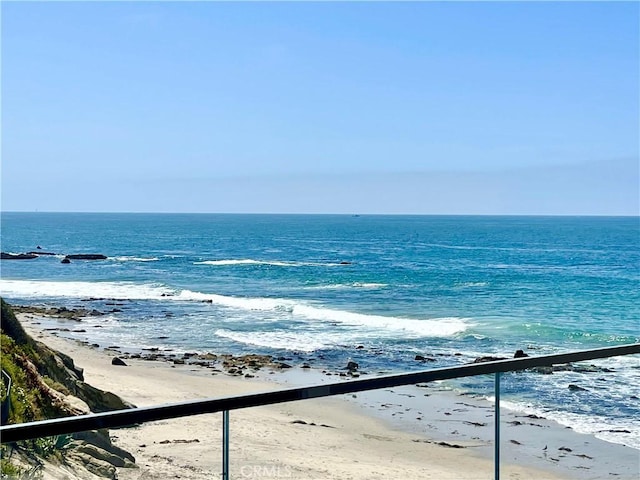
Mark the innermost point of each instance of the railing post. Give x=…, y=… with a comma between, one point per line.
x=225, y=445
x=496, y=436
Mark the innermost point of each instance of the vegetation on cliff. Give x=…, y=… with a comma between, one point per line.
x=31, y=395
x=46, y=384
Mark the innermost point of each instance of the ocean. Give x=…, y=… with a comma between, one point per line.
x=377, y=290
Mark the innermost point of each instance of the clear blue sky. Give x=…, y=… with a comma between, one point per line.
x=327, y=107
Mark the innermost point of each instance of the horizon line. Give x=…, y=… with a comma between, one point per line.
x=353, y=214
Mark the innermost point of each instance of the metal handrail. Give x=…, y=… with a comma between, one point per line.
x=134, y=416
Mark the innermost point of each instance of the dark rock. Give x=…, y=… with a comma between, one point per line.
x=345, y=263
x=86, y=256
x=475, y=424
x=94, y=465
x=208, y=356
x=352, y=366
x=422, y=358
x=520, y=354
x=488, y=359
x=100, y=401
x=65, y=260
x=17, y=256
x=100, y=438
x=201, y=363
x=118, y=361
x=543, y=370
x=281, y=365
x=575, y=388
x=101, y=454
x=587, y=368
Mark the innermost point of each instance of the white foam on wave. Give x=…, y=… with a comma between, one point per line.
x=473, y=284
x=434, y=327
x=340, y=286
x=285, y=340
x=275, y=263
x=118, y=290
x=599, y=426
x=135, y=259
x=242, y=303
x=315, y=337
x=246, y=261
x=284, y=308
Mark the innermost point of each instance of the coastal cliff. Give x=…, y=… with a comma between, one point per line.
x=40, y=383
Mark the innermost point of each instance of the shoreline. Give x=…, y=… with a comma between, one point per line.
x=423, y=431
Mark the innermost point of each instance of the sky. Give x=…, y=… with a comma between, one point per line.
x=321, y=107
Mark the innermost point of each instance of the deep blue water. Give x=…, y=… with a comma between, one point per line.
x=319, y=286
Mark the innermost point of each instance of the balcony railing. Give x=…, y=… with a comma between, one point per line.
x=135, y=416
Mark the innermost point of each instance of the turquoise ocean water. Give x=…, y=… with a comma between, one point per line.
x=316, y=287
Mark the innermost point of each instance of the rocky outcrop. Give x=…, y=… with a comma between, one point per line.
x=17, y=256
x=488, y=358
x=422, y=358
x=100, y=439
x=59, y=312
x=32, y=255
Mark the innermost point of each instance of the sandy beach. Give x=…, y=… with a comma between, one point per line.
x=409, y=433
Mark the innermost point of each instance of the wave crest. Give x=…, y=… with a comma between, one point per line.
x=274, y=263
x=283, y=309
